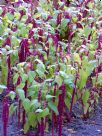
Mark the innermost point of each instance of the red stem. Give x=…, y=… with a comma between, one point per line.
x=24, y=113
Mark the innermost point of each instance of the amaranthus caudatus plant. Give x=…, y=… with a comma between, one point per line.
x=50, y=59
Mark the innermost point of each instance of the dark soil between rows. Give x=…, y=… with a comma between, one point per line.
x=78, y=127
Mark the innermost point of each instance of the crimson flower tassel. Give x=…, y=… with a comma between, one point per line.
x=42, y=127
x=5, y=115
x=100, y=41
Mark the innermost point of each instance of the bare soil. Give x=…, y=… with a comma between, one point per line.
x=78, y=127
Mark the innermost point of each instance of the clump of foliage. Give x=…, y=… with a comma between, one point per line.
x=50, y=59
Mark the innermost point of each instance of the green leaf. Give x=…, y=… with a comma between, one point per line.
x=64, y=23
x=40, y=62
x=86, y=96
x=87, y=31
x=83, y=79
x=53, y=22
x=26, y=104
x=12, y=95
x=58, y=80
x=1, y=10
x=20, y=86
x=40, y=68
x=10, y=16
x=40, y=73
x=26, y=127
x=24, y=77
x=93, y=63
x=17, y=15
x=99, y=82
x=15, y=78
x=1, y=30
x=69, y=81
x=2, y=87
x=77, y=58
x=15, y=41
x=67, y=102
x=31, y=76
x=21, y=94
x=86, y=107
x=4, y=73
x=12, y=109
x=63, y=74
x=53, y=107
x=24, y=32
x=43, y=113
x=34, y=104
x=32, y=119
x=32, y=90
x=49, y=97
